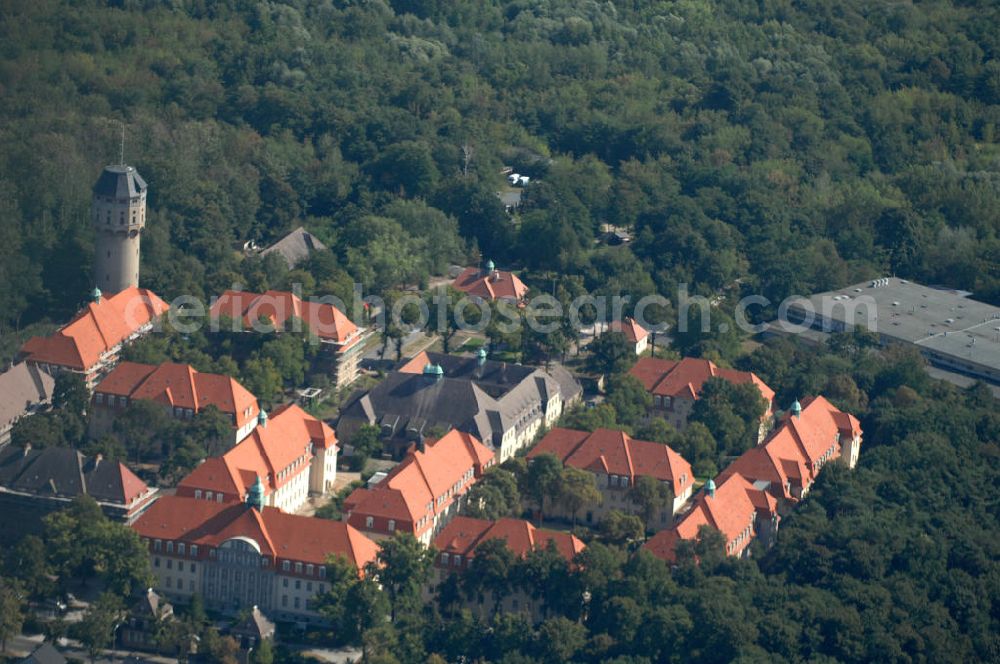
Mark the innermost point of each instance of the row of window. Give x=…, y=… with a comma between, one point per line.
x=170, y=564
x=454, y=559
x=662, y=402
x=309, y=568
x=168, y=584
x=746, y=533
x=209, y=495
x=181, y=548
x=320, y=588
x=99, y=398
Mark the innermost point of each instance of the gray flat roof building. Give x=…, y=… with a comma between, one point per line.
x=952, y=330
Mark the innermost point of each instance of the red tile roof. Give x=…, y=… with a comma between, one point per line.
x=616, y=453
x=325, y=320
x=181, y=386
x=684, y=378
x=634, y=333
x=463, y=535
x=793, y=452
x=730, y=511
x=279, y=536
x=498, y=285
x=268, y=449
x=792, y=456
x=419, y=481
x=97, y=329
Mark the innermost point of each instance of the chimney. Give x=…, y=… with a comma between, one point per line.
x=27, y=448
x=98, y=458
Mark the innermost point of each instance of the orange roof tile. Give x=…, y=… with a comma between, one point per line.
x=617, y=453
x=791, y=453
x=634, y=333
x=268, y=449
x=323, y=320
x=279, y=535
x=181, y=386
x=464, y=534
x=684, y=378
x=421, y=479
x=498, y=285
x=97, y=329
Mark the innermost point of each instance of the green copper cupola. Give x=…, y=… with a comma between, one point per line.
x=255, y=496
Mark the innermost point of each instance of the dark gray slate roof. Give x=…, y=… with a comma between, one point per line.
x=295, y=247
x=151, y=605
x=22, y=387
x=484, y=400
x=256, y=625
x=119, y=182
x=60, y=472
x=44, y=654
x=405, y=401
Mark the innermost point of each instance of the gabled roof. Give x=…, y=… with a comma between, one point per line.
x=478, y=398
x=464, y=534
x=150, y=604
x=295, y=247
x=66, y=473
x=44, y=654
x=730, y=511
x=324, y=320
x=98, y=328
x=684, y=378
x=497, y=285
x=616, y=453
x=791, y=453
x=277, y=534
x=634, y=333
x=256, y=624
x=421, y=479
x=268, y=449
x=22, y=387
x=181, y=386
x=755, y=480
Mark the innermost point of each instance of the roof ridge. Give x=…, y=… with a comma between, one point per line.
x=798, y=440
x=259, y=518
x=194, y=385
x=628, y=452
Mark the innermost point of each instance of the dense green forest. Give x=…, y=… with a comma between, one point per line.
x=775, y=147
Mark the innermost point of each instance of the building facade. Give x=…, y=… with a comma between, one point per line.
x=34, y=483
x=183, y=392
x=91, y=343
x=617, y=460
x=748, y=499
x=292, y=453
x=635, y=335
x=503, y=405
x=239, y=555
x=456, y=548
x=340, y=338
x=424, y=492
x=676, y=384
